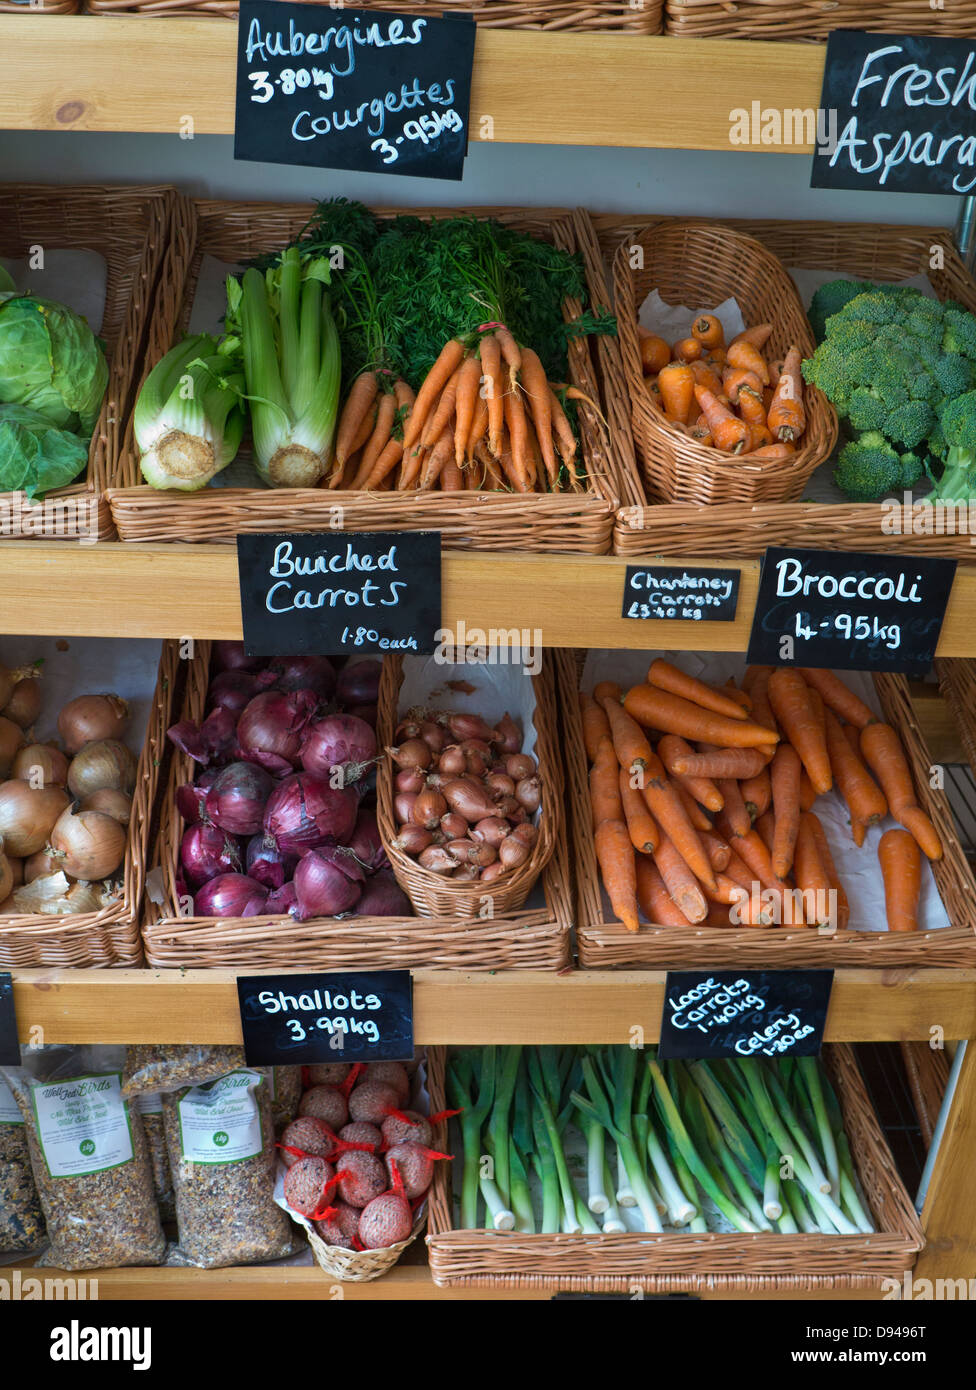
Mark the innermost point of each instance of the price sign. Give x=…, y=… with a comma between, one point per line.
x=341, y=591
x=897, y=113
x=9, y=1046
x=744, y=1013
x=336, y=1017
x=849, y=610
x=342, y=88
x=676, y=592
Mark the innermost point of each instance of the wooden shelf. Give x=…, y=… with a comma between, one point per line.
x=149, y=73
x=177, y=590
x=183, y=1006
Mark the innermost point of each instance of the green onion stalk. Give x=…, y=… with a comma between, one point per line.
x=613, y=1221
x=616, y=1119
x=460, y=1080
x=850, y=1201
x=709, y=1137
x=520, y=1196
x=546, y=1084
x=188, y=420
x=772, y=1204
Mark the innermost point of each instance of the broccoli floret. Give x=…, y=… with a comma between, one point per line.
x=910, y=424
x=960, y=331
x=866, y=410
x=868, y=467
x=957, y=423
x=830, y=299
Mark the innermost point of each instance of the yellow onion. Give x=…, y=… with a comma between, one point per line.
x=6, y=875
x=106, y=763
x=42, y=764
x=88, y=844
x=24, y=705
x=27, y=815
x=90, y=718
x=17, y=869
x=118, y=805
x=39, y=865
x=11, y=737
x=10, y=678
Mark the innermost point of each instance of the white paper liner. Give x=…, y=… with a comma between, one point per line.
x=75, y=277
x=858, y=868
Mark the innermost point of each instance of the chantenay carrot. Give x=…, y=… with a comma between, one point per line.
x=665, y=676
x=653, y=898
x=789, y=696
x=744, y=354
x=784, y=776
x=659, y=709
x=617, y=859
x=729, y=433
x=865, y=800
x=681, y=883
x=707, y=328
x=786, y=416
x=671, y=749
x=837, y=697
x=901, y=869
x=595, y=725
x=676, y=383
x=641, y=825
x=885, y=756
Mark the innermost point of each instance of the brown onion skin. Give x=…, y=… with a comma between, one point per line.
x=413, y=839
x=118, y=805
x=410, y=779
x=412, y=754
x=437, y=860
x=433, y=735
x=88, y=844
x=519, y=766
x=451, y=762
x=466, y=873
x=469, y=852
x=493, y=871
x=510, y=735
x=469, y=799
x=17, y=869
x=403, y=806
x=428, y=809
x=528, y=793
x=455, y=827
x=499, y=784
x=27, y=816
x=6, y=876
x=477, y=763
x=39, y=865
x=51, y=761
x=24, y=704
x=11, y=738
x=513, y=852
x=102, y=763
x=508, y=807
x=90, y=718
x=492, y=830
x=464, y=726
x=527, y=833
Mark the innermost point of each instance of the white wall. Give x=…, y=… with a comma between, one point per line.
x=709, y=183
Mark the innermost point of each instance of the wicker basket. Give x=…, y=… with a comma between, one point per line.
x=533, y=939
x=871, y=251
x=572, y=521
x=128, y=227
x=41, y=7
x=927, y=1074
x=957, y=682
x=599, y=16
x=361, y=1266
x=604, y=944
x=431, y=894
x=110, y=936
x=675, y=1261
x=701, y=264
x=814, y=19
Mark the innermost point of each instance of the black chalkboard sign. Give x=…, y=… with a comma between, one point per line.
x=678, y=592
x=897, y=113
x=336, y=1017
x=340, y=591
x=744, y=1013
x=9, y=1045
x=340, y=88
x=849, y=610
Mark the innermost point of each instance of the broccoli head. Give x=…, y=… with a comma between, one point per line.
x=868, y=467
x=960, y=330
x=956, y=433
x=830, y=299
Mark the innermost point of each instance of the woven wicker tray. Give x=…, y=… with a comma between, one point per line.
x=128, y=227
x=110, y=936
x=604, y=944
x=572, y=521
x=599, y=16
x=675, y=1262
x=814, y=19
x=530, y=939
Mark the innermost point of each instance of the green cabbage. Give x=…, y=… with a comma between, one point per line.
x=35, y=455
x=52, y=362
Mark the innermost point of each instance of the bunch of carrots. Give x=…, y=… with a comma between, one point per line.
x=485, y=418
x=702, y=798
x=726, y=397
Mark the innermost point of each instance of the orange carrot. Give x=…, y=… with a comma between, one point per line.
x=437, y=457
x=784, y=776
x=734, y=379
x=605, y=801
x=700, y=432
x=735, y=808
x=885, y=756
x=696, y=815
x=665, y=676
x=563, y=430
x=607, y=690
x=618, y=868
x=718, y=850
x=655, y=353
x=681, y=883
x=362, y=393
x=519, y=433
x=741, y=697
x=653, y=897
x=842, y=908
x=595, y=725
x=773, y=451
x=901, y=869
x=465, y=404
x=668, y=810
x=706, y=375
x=729, y=433
x=677, y=386
x=786, y=416
x=836, y=696
x=493, y=389
x=641, y=826
x=658, y=709
x=708, y=329
x=512, y=354
x=378, y=440
x=807, y=794
x=753, y=411
x=443, y=412
x=757, y=793
x=452, y=476
x=686, y=350
x=721, y=762
x=718, y=916
x=758, y=335
x=385, y=464
x=631, y=747
x=913, y=818
x=865, y=800
x=789, y=696
x=670, y=749
x=449, y=359
x=751, y=849
x=810, y=874
x=479, y=424
x=536, y=389
x=766, y=826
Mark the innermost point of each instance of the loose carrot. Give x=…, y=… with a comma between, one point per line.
x=607, y=690
x=790, y=700
x=536, y=389
x=449, y=359
x=518, y=433
x=836, y=696
x=818, y=710
x=865, y=800
x=595, y=724
x=362, y=393
x=641, y=825
x=766, y=826
x=807, y=794
x=655, y=353
x=758, y=335
x=665, y=676
x=735, y=808
x=668, y=810
x=378, y=440
x=696, y=815
x=670, y=749
x=885, y=757
x=706, y=375
x=686, y=350
x=682, y=886
x=465, y=403
x=786, y=416
x=718, y=915
x=734, y=379
x=708, y=329
x=659, y=709
x=750, y=848
x=677, y=385
x=901, y=869
x=810, y=874
x=729, y=433
x=605, y=803
x=913, y=818
x=784, y=776
x=718, y=850
x=757, y=794
x=741, y=697
x=841, y=908
x=722, y=762
x=653, y=897
x=618, y=868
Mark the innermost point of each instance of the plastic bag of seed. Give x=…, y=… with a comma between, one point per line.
x=152, y=1067
x=89, y=1157
x=286, y=1093
x=21, y=1218
x=150, y=1107
x=222, y=1156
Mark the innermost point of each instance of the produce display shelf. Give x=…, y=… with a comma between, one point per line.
x=512, y=1006
x=545, y=88
x=172, y=590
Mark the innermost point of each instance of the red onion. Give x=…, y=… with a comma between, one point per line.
x=282, y=900
x=211, y=741
x=270, y=729
x=304, y=812
x=359, y=683
x=339, y=740
x=383, y=897
x=265, y=863
x=230, y=895
x=236, y=800
x=327, y=881
x=205, y=852
x=233, y=690
x=366, y=844
x=315, y=673
x=191, y=797
x=230, y=656
x=367, y=713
